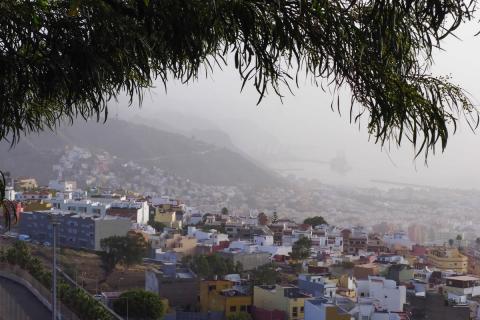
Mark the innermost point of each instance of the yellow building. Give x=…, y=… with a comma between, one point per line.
x=219, y=295
x=25, y=183
x=36, y=206
x=287, y=299
x=174, y=242
x=168, y=218
x=446, y=258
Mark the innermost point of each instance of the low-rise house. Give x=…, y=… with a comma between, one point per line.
x=168, y=241
x=322, y=309
x=400, y=273
x=41, y=205
x=62, y=185
x=137, y=211
x=289, y=300
x=317, y=286
x=354, y=242
x=468, y=286
x=363, y=271
x=383, y=293
x=25, y=183
x=81, y=206
x=179, y=285
x=224, y=296
x=43, y=195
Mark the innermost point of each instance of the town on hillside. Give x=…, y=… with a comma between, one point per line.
x=139, y=255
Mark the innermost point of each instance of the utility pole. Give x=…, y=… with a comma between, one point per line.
x=54, y=221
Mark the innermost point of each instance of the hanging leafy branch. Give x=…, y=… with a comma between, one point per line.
x=64, y=59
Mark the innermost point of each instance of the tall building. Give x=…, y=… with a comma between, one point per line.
x=74, y=230
x=417, y=233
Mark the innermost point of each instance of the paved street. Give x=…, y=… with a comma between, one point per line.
x=17, y=303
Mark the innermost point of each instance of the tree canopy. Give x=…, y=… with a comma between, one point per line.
x=265, y=275
x=68, y=58
x=127, y=250
x=139, y=304
x=315, y=221
x=64, y=59
x=301, y=249
x=208, y=266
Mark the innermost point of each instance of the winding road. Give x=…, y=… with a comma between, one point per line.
x=16, y=302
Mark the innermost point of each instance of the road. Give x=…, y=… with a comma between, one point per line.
x=17, y=303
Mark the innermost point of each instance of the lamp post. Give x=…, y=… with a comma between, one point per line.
x=55, y=222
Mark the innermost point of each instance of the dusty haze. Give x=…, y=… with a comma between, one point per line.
x=302, y=135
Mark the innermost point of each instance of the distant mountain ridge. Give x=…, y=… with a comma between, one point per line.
x=35, y=155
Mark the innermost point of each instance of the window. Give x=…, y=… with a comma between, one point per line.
x=243, y=308
x=302, y=309
x=233, y=308
x=295, y=312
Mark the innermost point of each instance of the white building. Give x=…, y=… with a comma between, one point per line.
x=263, y=240
x=10, y=193
x=383, y=294
x=397, y=239
x=397, y=259
x=322, y=309
x=467, y=286
x=212, y=237
x=62, y=185
x=84, y=206
x=136, y=210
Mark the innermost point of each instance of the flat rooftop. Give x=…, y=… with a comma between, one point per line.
x=463, y=278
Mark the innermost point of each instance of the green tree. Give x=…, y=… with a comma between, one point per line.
x=141, y=305
x=207, y=266
x=477, y=241
x=262, y=219
x=127, y=250
x=225, y=211
x=265, y=275
x=315, y=221
x=274, y=217
x=451, y=242
x=459, y=237
x=301, y=249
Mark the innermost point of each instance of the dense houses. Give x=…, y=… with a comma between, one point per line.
x=346, y=272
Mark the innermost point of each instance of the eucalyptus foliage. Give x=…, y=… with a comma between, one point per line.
x=64, y=59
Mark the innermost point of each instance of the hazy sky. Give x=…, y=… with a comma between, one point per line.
x=305, y=125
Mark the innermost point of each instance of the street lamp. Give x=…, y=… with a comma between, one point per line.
x=55, y=222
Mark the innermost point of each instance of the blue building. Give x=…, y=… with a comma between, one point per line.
x=317, y=286
x=73, y=230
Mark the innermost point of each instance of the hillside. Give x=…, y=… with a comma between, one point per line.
x=185, y=157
